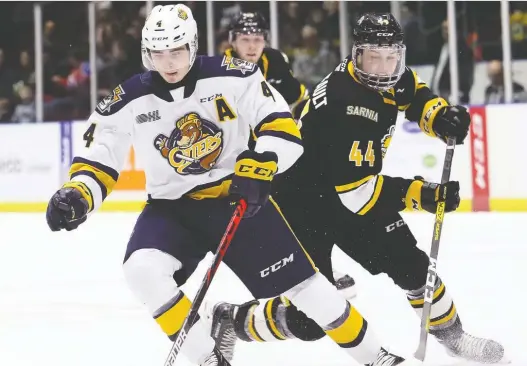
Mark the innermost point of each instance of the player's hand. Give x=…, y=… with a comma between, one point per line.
x=253, y=174
x=424, y=195
x=67, y=209
x=452, y=121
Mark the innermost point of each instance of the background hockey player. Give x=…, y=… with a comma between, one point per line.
x=197, y=162
x=248, y=36
x=336, y=194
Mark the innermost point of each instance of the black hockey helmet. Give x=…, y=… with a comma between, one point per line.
x=378, y=53
x=248, y=23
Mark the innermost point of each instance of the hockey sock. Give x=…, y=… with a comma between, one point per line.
x=170, y=317
x=443, y=315
x=320, y=301
x=273, y=320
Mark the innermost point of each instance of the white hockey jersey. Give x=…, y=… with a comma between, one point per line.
x=187, y=135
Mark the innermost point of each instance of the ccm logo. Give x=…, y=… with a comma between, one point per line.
x=384, y=34
x=479, y=151
x=392, y=227
x=262, y=172
x=275, y=267
x=431, y=281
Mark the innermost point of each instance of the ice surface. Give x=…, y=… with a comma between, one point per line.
x=64, y=302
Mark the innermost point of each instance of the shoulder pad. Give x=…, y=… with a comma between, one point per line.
x=218, y=66
x=133, y=88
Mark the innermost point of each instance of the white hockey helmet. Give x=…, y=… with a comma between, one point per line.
x=168, y=27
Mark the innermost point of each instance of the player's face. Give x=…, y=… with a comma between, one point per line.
x=380, y=61
x=249, y=46
x=171, y=64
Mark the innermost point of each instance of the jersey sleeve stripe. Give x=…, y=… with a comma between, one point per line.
x=362, y=198
x=281, y=125
x=358, y=198
x=303, y=95
x=104, y=168
x=282, y=135
x=105, y=181
x=96, y=189
x=92, y=175
x=354, y=185
x=375, y=197
x=272, y=117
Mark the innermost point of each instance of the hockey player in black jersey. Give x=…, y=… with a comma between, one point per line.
x=248, y=36
x=335, y=194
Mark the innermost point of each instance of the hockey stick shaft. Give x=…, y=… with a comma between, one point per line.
x=431, y=276
x=205, y=284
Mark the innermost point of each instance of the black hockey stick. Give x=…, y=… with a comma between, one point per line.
x=432, y=267
x=205, y=284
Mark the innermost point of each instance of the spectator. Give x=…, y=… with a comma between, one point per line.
x=495, y=92
x=25, y=74
x=414, y=38
x=330, y=26
x=290, y=27
x=79, y=72
x=314, y=59
x=6, y=89
x=441, y=76
x=25, y=111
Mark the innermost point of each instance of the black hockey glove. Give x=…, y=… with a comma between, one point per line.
x=67, y=209
x=253, y=174
x=452, y=121
x=424, y=195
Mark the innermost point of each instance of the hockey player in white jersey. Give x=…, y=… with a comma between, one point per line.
x=188, y=119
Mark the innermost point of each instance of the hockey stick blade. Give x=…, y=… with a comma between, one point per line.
x=431, y=276
x=205, y=284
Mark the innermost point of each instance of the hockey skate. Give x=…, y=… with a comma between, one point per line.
x=461, y=344
x=223, y=329
x=215, y=359
x=345, y=285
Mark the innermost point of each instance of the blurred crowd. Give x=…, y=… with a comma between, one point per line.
x=308, y=34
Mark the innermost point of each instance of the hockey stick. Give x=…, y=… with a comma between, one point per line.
x=432, y=267
x=205, y=284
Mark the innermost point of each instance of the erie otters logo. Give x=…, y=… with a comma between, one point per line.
x=193, y=146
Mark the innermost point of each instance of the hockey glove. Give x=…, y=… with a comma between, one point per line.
x=252, y=178
x=424, y=195
x=452, y=121
x=68, y=207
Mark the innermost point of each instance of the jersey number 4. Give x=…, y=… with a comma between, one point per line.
x=267, y=91
x=358, y=157
x=88, y=135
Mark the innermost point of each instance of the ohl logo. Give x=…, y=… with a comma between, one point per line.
x=193, y=146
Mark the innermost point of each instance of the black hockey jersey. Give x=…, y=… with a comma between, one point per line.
x=275, y=67
x=346, y=129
